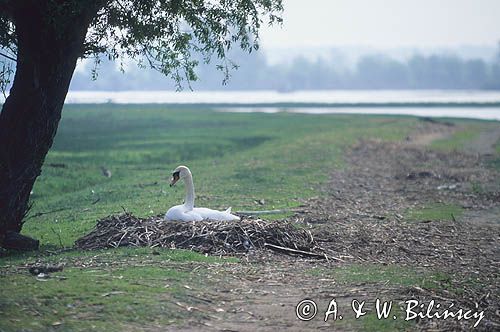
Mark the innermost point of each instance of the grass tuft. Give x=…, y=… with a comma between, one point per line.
x=435, y=212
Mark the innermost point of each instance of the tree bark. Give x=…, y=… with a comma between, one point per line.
x=46, y=60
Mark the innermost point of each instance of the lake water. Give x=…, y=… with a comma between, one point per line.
x=484, y=113
x=274, y=97
x=438, y=103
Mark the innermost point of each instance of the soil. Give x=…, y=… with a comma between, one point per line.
x=362, y=218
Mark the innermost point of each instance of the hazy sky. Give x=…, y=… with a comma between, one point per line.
x=386, y=23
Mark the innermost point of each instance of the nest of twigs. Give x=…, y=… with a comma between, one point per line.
x=212, y=237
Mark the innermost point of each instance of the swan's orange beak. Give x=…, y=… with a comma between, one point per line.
x=175, y=178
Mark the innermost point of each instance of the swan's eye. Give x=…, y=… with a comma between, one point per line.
x=176, y=175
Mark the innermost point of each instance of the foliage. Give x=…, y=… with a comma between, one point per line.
x=7, y=51
x=163, y=34
x=160, y=34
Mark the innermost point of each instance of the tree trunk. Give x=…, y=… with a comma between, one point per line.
x=46, y=60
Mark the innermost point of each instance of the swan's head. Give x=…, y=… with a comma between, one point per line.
x=180, y=172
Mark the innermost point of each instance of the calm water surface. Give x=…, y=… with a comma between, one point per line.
x=445, y=103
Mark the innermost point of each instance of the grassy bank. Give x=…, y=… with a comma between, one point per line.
x=236, y=159
x=247, y=161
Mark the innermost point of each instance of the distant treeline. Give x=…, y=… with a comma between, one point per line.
x=370, y=72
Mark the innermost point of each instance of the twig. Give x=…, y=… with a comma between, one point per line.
x=294, y=251
x=58, y=236
x=213, y=237
x=47, y=212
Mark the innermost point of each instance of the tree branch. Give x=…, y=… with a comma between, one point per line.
x=8, y=57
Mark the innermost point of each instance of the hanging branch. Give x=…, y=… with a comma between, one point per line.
x=8, y=57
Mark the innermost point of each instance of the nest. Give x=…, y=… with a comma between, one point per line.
x=211, y=237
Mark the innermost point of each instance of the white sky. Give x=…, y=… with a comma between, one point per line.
x=386, y=23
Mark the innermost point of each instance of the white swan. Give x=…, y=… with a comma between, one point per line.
x=187, y=211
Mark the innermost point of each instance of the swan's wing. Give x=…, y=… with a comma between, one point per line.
x=192, y=216
x=209, y=214
x=179, y=213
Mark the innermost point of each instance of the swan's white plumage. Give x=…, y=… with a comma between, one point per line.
x=187, y=211
x=180, y=213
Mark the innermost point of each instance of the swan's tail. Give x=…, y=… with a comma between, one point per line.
x=231, y=216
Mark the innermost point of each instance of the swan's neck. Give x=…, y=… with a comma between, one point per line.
x=189, y=202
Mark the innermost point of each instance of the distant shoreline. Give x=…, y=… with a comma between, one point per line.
x=307, y=105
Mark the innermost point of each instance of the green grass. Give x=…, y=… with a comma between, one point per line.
x=457, y=140
x=467, y=132
x=124, y=255
x=435, y=212
x=103, y=290
x=236, y=159
x=105, y=299
x=370, y=322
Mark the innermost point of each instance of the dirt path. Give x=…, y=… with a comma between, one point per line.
x=430, y=130
x=362, y=220
x=485, y=143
